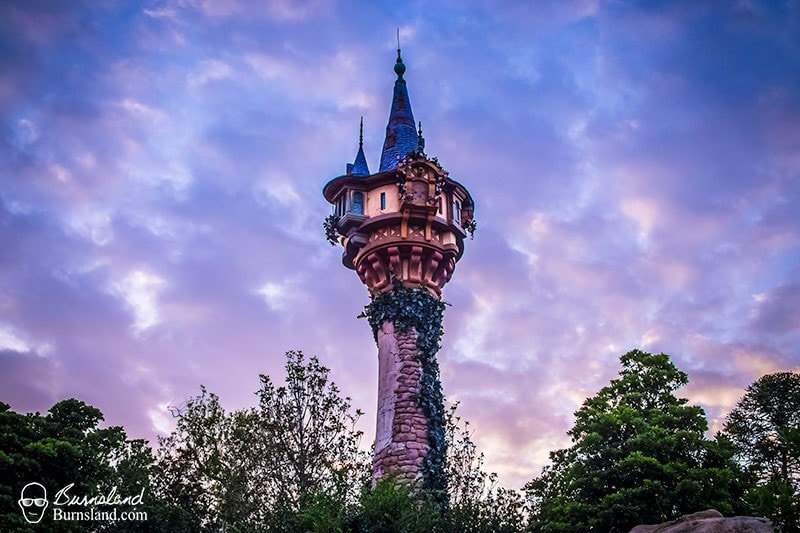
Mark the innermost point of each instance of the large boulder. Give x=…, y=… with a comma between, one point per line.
x=710, y=521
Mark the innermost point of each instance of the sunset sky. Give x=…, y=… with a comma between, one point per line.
x=635, y=168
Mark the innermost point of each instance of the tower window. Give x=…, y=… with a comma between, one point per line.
x=358, y=203
x=383, y=201
x=457, y=212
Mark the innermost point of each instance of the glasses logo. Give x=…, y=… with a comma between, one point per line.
x=33, y=502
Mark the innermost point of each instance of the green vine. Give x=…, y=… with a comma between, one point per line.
x=470, y=226
x=416, y=308
x=331, y=225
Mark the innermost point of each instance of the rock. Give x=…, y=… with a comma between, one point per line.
x=710, y=521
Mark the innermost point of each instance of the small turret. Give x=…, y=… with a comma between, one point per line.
x=359, y=166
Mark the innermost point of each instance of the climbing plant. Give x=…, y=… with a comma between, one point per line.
x=417, y=308
x=470, y=226
x=331, y=225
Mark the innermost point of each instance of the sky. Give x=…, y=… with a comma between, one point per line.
x=635, y=168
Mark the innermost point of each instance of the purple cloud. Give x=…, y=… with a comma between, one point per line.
x=635, y=171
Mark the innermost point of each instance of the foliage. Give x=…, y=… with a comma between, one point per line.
x=638, y=456
x=391, y=507
x=470, y=226
x=292, y=463
x=199, y=466
x=476, y=502
x=331, y=226
x=305, y=440
x=416, y=308
x=268, y=467
x=764, y=428
x=778, y=501
x=67, y=446
x=211, y=466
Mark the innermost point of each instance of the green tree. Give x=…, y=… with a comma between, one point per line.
x=67, y=446
x=305, y=440
x=198, y=467
x=764, y=428
x=390, y=507
x=292, y=464
x=292, y=459
x=477, y=503
x=638, y=456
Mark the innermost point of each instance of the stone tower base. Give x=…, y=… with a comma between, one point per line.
x=401, y=436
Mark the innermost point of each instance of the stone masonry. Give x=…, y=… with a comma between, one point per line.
x=401, y=436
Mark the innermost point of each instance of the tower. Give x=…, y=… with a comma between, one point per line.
x=403, y=230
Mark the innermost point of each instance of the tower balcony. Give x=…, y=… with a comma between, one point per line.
x=407, y=224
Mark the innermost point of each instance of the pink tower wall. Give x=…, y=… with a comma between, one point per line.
x=401, y=436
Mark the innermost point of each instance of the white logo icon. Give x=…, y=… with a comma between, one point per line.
x=33, y=502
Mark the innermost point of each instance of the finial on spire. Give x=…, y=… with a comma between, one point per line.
x=401, y=132
x=420, y=139
x=399, y=67
x=359, y=167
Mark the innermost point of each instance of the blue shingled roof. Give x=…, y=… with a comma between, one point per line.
x=360, y=167
x=401, y=135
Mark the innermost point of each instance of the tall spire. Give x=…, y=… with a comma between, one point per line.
x=401, y=133
x=359, y=167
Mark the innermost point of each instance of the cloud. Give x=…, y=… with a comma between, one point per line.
x=139, y=289
x=634, y=169
x=210, y=70
x=9, y=340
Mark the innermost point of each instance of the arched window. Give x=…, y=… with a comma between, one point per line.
x=358, y=203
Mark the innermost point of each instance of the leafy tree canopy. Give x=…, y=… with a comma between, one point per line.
x=67, y=446
x=292, y=464
x=764, y=428
x=264, y=468
x=639, y=456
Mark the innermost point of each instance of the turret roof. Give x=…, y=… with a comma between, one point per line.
x=360, y=167
x=401, y=134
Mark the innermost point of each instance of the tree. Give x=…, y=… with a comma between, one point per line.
x=198, y=465
x=67, y=446
x=477, y=503
x=638, y=456
x=390, y=507
x=304, y=441
x=764, y=428
x=267, y=467
x=292, y=464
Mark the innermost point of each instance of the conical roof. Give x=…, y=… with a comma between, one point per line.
x=401, y=135
x=359, y=167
